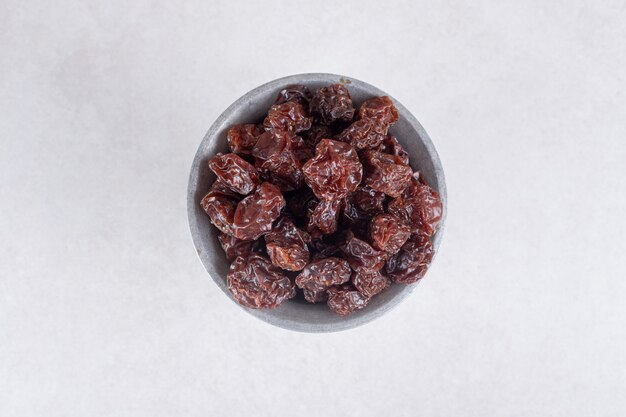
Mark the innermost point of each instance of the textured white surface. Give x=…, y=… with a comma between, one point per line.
x=105, y=310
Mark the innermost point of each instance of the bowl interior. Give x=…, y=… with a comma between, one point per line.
x=298, y=314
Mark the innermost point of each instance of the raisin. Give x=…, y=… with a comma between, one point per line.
x=385, y=173
x=235, y=172
x=300, y=202
x=234, y=247
x=317, y=132
x=297, y=93
x=220, y=203
x=370, y=283
x=361, y=255
x=411, y=263
x=391, y=146
x=332, y=104
x=380, y=109
x=321, y=274
x=242, y=138
x=302, y=151
x=388, y=233
x=419, y=207
x=324, y=246
x=364, y=134
x=335, y=170
x=323, y=219
x=289, y=116
x=274, y=154
x=286, y=245
x=256, y=283
x=369, y=200
x=256, y=213
x=345, y=299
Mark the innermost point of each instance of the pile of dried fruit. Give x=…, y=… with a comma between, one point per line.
x=319, y=197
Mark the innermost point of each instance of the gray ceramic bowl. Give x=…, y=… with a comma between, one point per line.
x=295, y=314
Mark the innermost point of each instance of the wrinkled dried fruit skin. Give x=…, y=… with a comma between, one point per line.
x=256, y=283
x=302, y=151
x=324, y=246
x=345, y=299
x=391, y=146
x=323, y=219
x=370, y=283
x=332, y=104
x=369, y=200
x=380, y=109
x=419, y=207
x=317, y=132
x=300, y=202
x=235, y=172
x=242, y=138
x=411, y=263
x=364, y=134
x=234, y=247
x=321, y=274
x=290, y=117
x=335, y=170
x=361, y=255
x=274, y=153
x=286, y=245
x=256, y=213
x=385, y=173
x=297, y=93
x=220, y=204
x=388, y=233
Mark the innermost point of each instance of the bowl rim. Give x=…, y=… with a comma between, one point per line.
x=352, y=321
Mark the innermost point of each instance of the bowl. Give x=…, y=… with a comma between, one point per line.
x=297, y=314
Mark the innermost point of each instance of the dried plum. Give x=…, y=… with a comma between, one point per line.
x=255, y=214
x=411, y=263
x=220, y=203
x=364, y=134
x=321, y=274
x=385, y=173
x=419, y=207
x=234, y=247
x=380, y=109
x=323, y=219
x=388, y=233
x=345, y=299
x=274, y=153
x=242, y=138
x=370, y=283
x=286, y=245
x=235, y=172
x=297, y=92
x=332, y=104
x=289, y=116
x=361, y=255
x=391, y=146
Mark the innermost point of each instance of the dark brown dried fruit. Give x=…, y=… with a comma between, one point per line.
x=302, y=151
x=323, y=219
x=286, y=245
x=300, y=202
x=388, y=233
x=369, y=200
x=256, y=283
x=345, y=299
x=419, y=207
x=219, y=203
x=380, y=109
x=370, y=283
x=332, y=104
x=297, y=92
x=321, y=274
x=361, y=255
x=256, y=213
x=289, y=116
x=391, y=146
x=364, y=134
x=335, y=170
x=385, y=173
x=234, y=247
x=274, y=153
x=242, y=138
x=411, y=263
x=235, y=172
x=324, y=246
x=317, y=132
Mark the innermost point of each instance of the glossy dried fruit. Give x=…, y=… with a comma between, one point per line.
x=411, y=263
x=332, y=104
x=369, y=200
x=361, y=255
x=302, y=151
x=380, y=109
x=370, y=283
x=300, y=202
x=317, y=132
x=289, y=116
x=335, y=170
x=385, y=173
x=391, y=146
x=297, y=92
x=323, y=219
x=256, y=283
x=286, y=245
x=388, y=233
x=242, y=138
x=219, y=203
x=319, y=275
x=345, y=299
x=255, y=214
x=274, y=153
x=419, y=207
x=234, y=247
x=235, y=172
x=364, y=134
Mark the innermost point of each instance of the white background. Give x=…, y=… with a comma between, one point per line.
x=105, y=309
